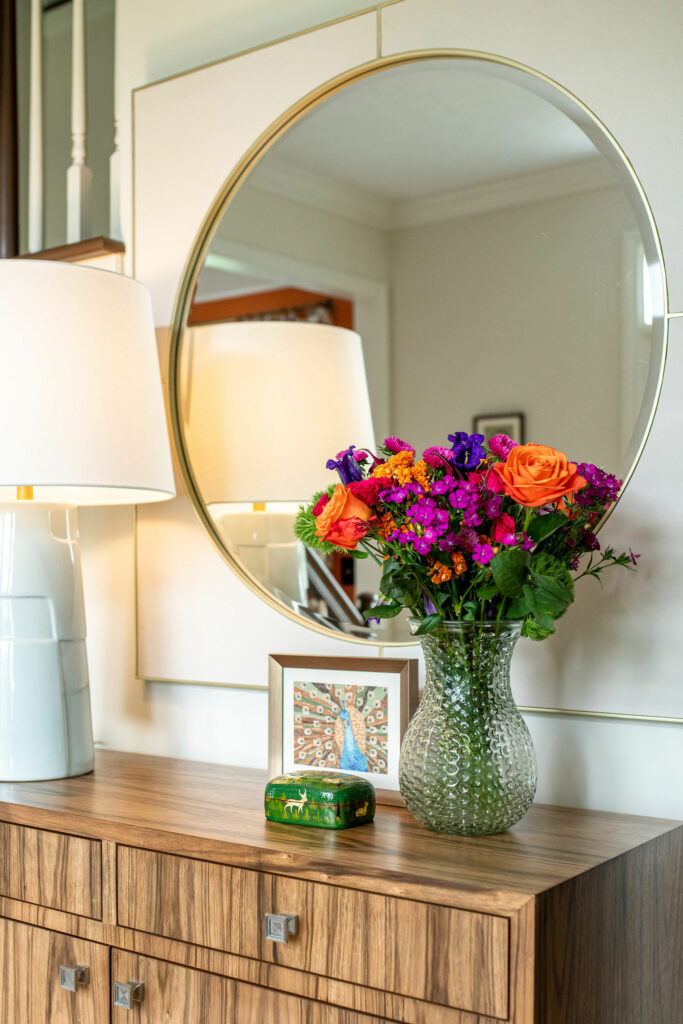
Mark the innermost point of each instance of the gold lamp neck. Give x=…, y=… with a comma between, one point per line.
x=25, y=493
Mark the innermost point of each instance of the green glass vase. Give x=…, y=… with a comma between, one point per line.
x=468, y=764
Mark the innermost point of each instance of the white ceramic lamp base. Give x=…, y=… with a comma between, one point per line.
x=45, y=719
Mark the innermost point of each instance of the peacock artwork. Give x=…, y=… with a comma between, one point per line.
x=341, y=727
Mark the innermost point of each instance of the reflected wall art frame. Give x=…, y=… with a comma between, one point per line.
x=342, y=715
x=545, y=88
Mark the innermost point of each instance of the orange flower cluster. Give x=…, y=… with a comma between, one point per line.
x=459, y=563
x=440, y=573
x=398, y=466
x=387, y=525
x=419, y=475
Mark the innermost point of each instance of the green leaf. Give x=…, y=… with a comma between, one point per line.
x=534, y=631
x=518, y=608
x=471, y=610
x=510, y=570
x=544, y=620
x=552, y=595
x=487, y=592
x=541, y=527
x=429, y=623
x=383, y=611
x=358, y=554
x=400, y=587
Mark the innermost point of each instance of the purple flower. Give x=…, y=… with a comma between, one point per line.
x=346, y=465
x=601, y=488
x=448, y=541
x=575, y=562
x=468, y=449
x=482, y=553
x=421, y=546
x=634, y=558
x=527, y=543
x=492, y=506
x=467, y=539
x=429, y=606
x=398, y=494
x=443, y=486
x=501, y=445
x=591, y=541
x=396, y=445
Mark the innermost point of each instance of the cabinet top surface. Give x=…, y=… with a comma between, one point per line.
x=216, y=813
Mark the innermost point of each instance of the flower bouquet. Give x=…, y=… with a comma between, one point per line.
x=480, y=542
x=479, y=531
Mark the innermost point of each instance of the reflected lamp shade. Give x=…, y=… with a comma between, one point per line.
x=82, y=422
x=267, y=403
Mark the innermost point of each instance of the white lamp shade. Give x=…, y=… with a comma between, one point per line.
x=81, y=407
x=265, y=404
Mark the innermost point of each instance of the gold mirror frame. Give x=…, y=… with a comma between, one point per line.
x=546, y=88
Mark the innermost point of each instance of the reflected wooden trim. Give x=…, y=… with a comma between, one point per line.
x=74, y=252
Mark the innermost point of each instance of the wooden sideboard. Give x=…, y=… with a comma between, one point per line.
x=160, y=873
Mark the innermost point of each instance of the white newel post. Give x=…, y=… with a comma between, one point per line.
x=78, y=176
x=35, y=143
x=115, y=158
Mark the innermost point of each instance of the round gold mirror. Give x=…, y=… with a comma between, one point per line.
x=435, y=242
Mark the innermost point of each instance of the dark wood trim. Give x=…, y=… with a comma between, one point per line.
x=87, y=249
x=278, y=300
x=9, y=178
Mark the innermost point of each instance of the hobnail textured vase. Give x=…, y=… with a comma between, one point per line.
x=467, y=760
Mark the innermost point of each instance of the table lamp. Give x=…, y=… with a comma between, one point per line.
x=265, y=405
x=82, y=422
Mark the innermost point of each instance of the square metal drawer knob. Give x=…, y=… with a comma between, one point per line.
x=126, y=995
x=280, y=926
x=71, y=977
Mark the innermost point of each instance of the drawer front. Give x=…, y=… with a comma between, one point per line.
x=182, y=995
x=30, y=990
x=54, y=870
x=453, y=957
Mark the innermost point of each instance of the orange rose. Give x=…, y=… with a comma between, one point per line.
x=344, y=520
x=535, y=475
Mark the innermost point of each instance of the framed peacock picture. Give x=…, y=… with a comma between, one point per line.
x=341, y=715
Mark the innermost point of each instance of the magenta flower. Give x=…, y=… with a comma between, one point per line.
x=482, y=553
x=396, y=445
x=438, y=457
x=501, y=445
x=634, y=558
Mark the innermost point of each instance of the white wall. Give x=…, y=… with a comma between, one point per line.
x=624, y=61
x=494, y=312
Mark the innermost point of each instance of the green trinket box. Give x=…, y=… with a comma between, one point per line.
x=320, y=800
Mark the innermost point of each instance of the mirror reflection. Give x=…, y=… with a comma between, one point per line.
x=490, y=268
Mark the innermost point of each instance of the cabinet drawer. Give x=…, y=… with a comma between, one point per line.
x=51, y=869
x=30, y=990
x=453, y=957
x=182, y=995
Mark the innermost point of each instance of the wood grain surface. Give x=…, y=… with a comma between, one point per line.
x=216, y=813
x=373, y=1002
x=59, y=871
x=176, y=995
x=30, y=992
x=452, y=957
x=611, y=941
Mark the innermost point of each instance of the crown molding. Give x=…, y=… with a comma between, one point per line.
x=279, y=177
x=570, y=179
